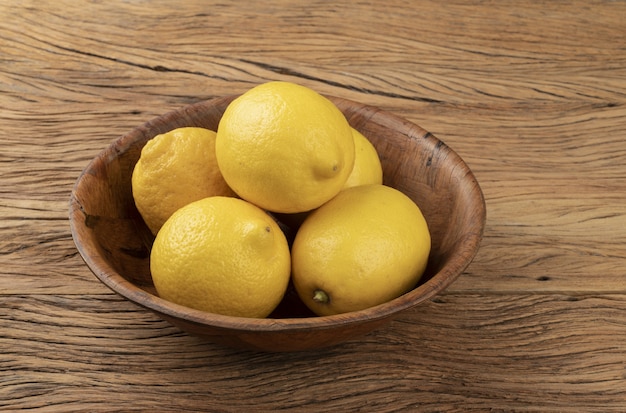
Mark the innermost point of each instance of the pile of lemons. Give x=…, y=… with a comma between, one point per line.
x=211, y=199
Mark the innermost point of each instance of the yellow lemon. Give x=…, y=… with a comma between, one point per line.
x=284, y=147
x=367, y=168
x=366, y=246
x=222, y=255
x=174, y=169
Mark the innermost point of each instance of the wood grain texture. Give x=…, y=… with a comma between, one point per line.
x=500, y=359
x=531, y=94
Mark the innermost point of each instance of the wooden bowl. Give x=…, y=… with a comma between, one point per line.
x=115, y=243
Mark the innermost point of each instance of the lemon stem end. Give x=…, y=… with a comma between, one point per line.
x=320, y=296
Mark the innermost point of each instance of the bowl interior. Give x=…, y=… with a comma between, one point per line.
x=115, y=243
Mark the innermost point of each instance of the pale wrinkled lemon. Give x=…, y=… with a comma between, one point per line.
x=222, y=255
x=174, y=169
x=368, y=245
x=367, y=168
x=284, y=147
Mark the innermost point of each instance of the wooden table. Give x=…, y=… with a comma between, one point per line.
x=531, y=94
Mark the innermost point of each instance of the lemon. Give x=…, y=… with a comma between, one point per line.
x=174, y=169
x=366, y=246
x=284, y=147
x=367, y=168
x=222, y=255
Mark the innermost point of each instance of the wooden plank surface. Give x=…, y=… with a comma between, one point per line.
x=531, y=94
x=500, y=355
